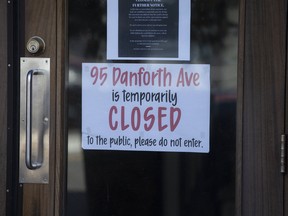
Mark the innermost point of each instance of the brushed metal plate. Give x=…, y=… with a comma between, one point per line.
x=34, y=120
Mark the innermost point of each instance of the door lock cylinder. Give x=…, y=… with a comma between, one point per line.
x=35, y=45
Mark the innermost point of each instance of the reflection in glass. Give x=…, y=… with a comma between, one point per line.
x=152, y=183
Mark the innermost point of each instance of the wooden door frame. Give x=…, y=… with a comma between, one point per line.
x=260, y=115
x=3, y=105
x=52, y=204
x=239, y=115
x=61, y=107
x=53, y=195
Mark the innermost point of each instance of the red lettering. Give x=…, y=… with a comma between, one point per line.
x=112, y=126
x=196, y=78
x=174, y=122
x=123, y=126
x=135, y=118
x=148, y=117
x=185, y=79
x=188, y=79
x=160, y=116
x=116, y=75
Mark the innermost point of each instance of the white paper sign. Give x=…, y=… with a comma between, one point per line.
x=146, y=107
x=148, y=29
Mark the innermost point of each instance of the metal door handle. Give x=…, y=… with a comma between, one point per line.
x=34, y=120
x=28, y=159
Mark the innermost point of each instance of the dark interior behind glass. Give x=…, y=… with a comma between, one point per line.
x=121, y=183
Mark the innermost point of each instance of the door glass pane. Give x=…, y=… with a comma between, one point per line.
x=124, y=183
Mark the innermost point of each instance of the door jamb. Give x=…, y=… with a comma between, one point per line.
x=3, y=105
x=239, y=117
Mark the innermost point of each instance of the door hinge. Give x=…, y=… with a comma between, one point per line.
x=283, y=154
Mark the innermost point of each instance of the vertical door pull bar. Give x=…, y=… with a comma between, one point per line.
x=34, y=137
x=28, y=159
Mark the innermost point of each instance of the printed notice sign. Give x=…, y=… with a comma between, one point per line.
x=146, y=107
x=148, y=29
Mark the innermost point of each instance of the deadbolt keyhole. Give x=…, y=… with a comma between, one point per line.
x=35, y=45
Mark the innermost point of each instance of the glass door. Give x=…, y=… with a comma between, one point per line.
x=153, y=34
x=152, y=107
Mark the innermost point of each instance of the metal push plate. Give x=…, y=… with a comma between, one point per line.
x=34, y=120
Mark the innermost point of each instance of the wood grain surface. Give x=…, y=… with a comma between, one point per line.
x=40, y=20
x=263, y=107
